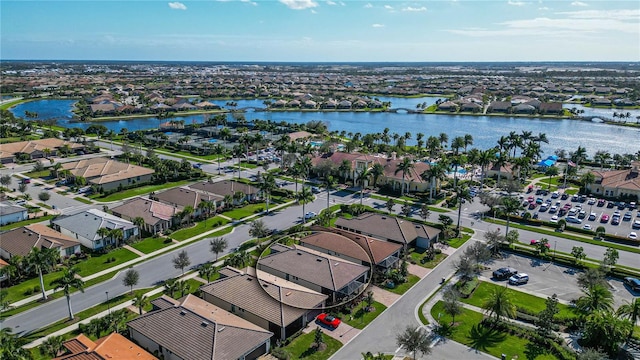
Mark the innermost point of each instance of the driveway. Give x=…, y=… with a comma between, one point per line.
x=343, y=333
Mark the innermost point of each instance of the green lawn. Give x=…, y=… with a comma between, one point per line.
x=300, y=347
x=468, y=331
x=404, y=287
x=360, y=318
x=143, y=190
x=25, y=223
x=39, y=174
x=199, y=228
x=19, y=291
x=83, y=200
x=527, y=302
x=244, y=211
x=457, y=242
x=98, y=263
x=417, y=256
x=151, y=244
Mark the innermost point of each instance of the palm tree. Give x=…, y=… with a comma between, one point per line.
x=596, y=297
x=344, y=169
x=304, y=197
x=587, y=179
x=217, y=245
x=405, y=167
x=67, y=282
x=363, y=177
x=140, y=301
x=631, y=311
x=103, y=232
x=266, y=185
x=500, y=304
x=139, y=222
x=462, y=195
x=498, y=163
x=187, y=212
x=329, y=183
x=376, y=172
x=171, y=286
x=551, y=172
x=43, y=260
x=221, y=152
x=206, y=271
x=468, y=140
x=509, y=205
x=117, y=235
x=52, y=346
x=443, y=138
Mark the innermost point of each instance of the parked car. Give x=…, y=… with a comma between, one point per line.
x=555, y=195
x=604, y=219
x=309, y=215
x=504, y=273
x=329, y=320
x=554, y=219
x=26, y=181
x=564, y=196
x=315, y=189
x=21, y=202
x=574, y=220
x=627, y=216
x=633, y=283
x=587, y=227
x=592, y=216
x=601, y=203
x=633, y=235
x=535, y=242
x=519, y=279
x=636, y=225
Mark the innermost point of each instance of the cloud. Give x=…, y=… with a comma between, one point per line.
x=544, y=8
x=249, y=2
x=329, y=2
x=368, y=6
x=299, y=4
x=578, y=3
x=377, y=25
x=177, y=5
x=388, y=7
x=414, y=9
x=516, y=3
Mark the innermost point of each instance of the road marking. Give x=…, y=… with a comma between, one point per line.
x=398, y=349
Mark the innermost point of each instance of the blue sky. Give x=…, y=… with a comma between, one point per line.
x=322, y=30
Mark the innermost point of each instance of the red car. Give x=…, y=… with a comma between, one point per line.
x=535, y=242
x=329, y=320
x=604, y=219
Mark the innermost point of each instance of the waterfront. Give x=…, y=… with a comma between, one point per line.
x=486, y=130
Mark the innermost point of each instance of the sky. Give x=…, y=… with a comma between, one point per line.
x=321, y=30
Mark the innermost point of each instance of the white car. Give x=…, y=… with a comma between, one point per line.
x=309, y=215
x=554, y=219
x=633, y=235
x=587, y=227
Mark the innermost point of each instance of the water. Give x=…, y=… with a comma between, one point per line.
x=212, y=141
x=486, y=130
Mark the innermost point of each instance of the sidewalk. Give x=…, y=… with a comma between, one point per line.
x=151, y=255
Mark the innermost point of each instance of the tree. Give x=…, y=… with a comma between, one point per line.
x=591, y=277
x=43, y=260
x=304, y=197
x=467, y=268
x=610, y=258
x=551, y=172
x=130, y=279
x=406, y=209
x=602, y=329
x=425, y=212
x=512, y=237
x=415, y=340
x=578, y=254
x=5, y=180
x=218, y=245
x=139, y=222
x=452, y=305
x=329, y=183
x=390, y=203
x=181, y=261
x=631, y=311
x=52, y=346
x=363, y=177
x=376, y=172
x=462, y=195
x=67, y=282
x=140, y=301
x=22, y=187
x=4, y=303
x=500, y=304
x=206, y=271
x=170, y=286
x=258, y=229
x=186, y=213
x=267, y=184
x=368, y=299
x=44, y=196
x=318, y=338
x=494, y=239
x=595, y=298
x=405, y=167
x=545, y=320
x=509, y=206
x=591, y=354
x=117, y=235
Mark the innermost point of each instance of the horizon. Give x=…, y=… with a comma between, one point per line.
x=322, y=31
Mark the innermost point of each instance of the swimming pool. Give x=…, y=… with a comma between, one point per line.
x=213, y=141
x=316, y=143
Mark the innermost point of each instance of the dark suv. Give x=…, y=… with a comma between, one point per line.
x=504, y=273
x=632, y=283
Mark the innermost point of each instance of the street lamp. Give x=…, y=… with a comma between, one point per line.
x=108, y=306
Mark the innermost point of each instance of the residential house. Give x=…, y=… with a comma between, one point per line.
x=357, y=248
x=391, y=228
x=229, y=187
x=505, y=171
x=617, y=183
x=499, y=106
x=265, y=301
x=10, y=213
x=184, y=197
x=448, y=106
x=194, y=329
x=112, y=346
x=36, y=149
x=546, y=108
x=158, y=217
x=84, y=227
x=322, y=273
x=109, y=174
x=20, y=241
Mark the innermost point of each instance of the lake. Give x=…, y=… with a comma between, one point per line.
x=486, y=130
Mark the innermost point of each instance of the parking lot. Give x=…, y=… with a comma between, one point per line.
x=546, y=279
x=583, y=211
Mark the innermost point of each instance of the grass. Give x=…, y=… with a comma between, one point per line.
x=529, y=303
x=300, y=347
x=25, y=223
x=248, y=210
x=39, y=174
x=41, y=204
x=98, y=263
x=247, y=165
x=467, y=331
x=404, y=287
x=19, y=291
x=199, y=228
x=362, y=318
x=143, y=190
x=83, y=200
x=224, y=231
x=457, y=242
x=151, y=244
x=417, y=255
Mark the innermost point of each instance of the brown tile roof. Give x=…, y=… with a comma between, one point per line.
x=321, y=269
x=357, y=246
x=246, y=292
x=620, y=179
x=299, y=135
x=21, y=240
x=225, y=187
x=198, y=330
x=150, y=210
x=185, y=197
x=31, y=146
x=112, y=346
x=388, y=227
x=102, y=170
